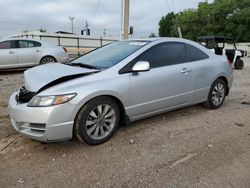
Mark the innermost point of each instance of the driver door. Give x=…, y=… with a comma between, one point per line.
x=168, y=84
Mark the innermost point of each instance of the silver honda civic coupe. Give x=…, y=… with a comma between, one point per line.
x=118, y=83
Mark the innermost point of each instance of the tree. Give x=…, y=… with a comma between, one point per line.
x=42, y=30
x=152, y=35
x=223, y=17
x=166, y=23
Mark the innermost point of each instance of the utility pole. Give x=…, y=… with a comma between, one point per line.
x=72, y=23
x=125, y=20
x=104, y=32
x=87, y=29
x=179, y=32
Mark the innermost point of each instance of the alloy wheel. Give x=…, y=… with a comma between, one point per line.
x=218, y=94
x=100, y=122
x=46, y=60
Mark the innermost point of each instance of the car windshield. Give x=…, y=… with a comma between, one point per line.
x=109, y=55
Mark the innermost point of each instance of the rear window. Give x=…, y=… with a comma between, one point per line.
x=195, y=54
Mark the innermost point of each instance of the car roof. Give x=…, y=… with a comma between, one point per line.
x=214, y=38
x=163, y=39
x=5, y=39
x=44, y=43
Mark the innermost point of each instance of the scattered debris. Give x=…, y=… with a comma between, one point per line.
x=239, y=124
x=132, y=141
x=189, y=156
x=184, y=159
x=210, y=146
x=245, y=103
x=20, y=180
x=171, y=136
x=8, y=144
x=64, y=155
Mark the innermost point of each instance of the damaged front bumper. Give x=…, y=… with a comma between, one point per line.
x=46, y=124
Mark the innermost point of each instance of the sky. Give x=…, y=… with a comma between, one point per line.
x=53, y=15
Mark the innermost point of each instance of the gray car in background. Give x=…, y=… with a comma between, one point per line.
x=23, y=53
x=116, y=84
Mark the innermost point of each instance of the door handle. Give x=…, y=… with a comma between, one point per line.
x=38, y=50
x=12, y=52
x=185, y=70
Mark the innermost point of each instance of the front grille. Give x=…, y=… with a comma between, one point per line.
x=24, y=95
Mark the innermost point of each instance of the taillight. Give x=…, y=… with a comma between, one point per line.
x=65, y=49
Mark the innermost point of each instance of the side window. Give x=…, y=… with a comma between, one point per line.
x=28, y=44
x=7, y=44
x=36, y=44
x=195, y=54
x=165, y=54
x=23, y=44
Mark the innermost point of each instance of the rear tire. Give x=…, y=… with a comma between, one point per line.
x=217, y=94
x=47, y=59
x=239, y=64
x=97, y=121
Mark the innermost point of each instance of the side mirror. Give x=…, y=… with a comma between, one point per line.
x=141, y=66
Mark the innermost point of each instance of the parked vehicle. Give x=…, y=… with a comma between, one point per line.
x=116, y=84
x=21, y=53
x=217, y=45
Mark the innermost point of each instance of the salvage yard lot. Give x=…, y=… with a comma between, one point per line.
x=191, y=147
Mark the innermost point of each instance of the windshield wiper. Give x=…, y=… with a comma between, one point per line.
x=84, y=65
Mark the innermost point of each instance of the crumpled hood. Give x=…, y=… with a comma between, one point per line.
x=51, y=74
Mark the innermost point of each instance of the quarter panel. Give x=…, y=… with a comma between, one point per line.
x=206, y=72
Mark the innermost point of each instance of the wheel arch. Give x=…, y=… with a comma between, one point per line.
x=226, y=82
x=43, y=56
x=124, y=119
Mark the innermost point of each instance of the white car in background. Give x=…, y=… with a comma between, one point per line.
x=22, y=53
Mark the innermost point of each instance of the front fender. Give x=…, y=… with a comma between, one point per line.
x=79, y=103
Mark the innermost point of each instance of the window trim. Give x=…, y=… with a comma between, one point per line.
x=188, y=54
x=127, y=68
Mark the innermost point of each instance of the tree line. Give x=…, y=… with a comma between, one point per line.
x=222, y=17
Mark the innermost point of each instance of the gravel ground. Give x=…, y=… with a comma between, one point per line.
x=190, y=147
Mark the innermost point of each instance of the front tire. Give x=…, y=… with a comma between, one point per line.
x=217, y=94
x=97, y=121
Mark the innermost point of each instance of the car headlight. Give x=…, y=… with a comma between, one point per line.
x=42, y=101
